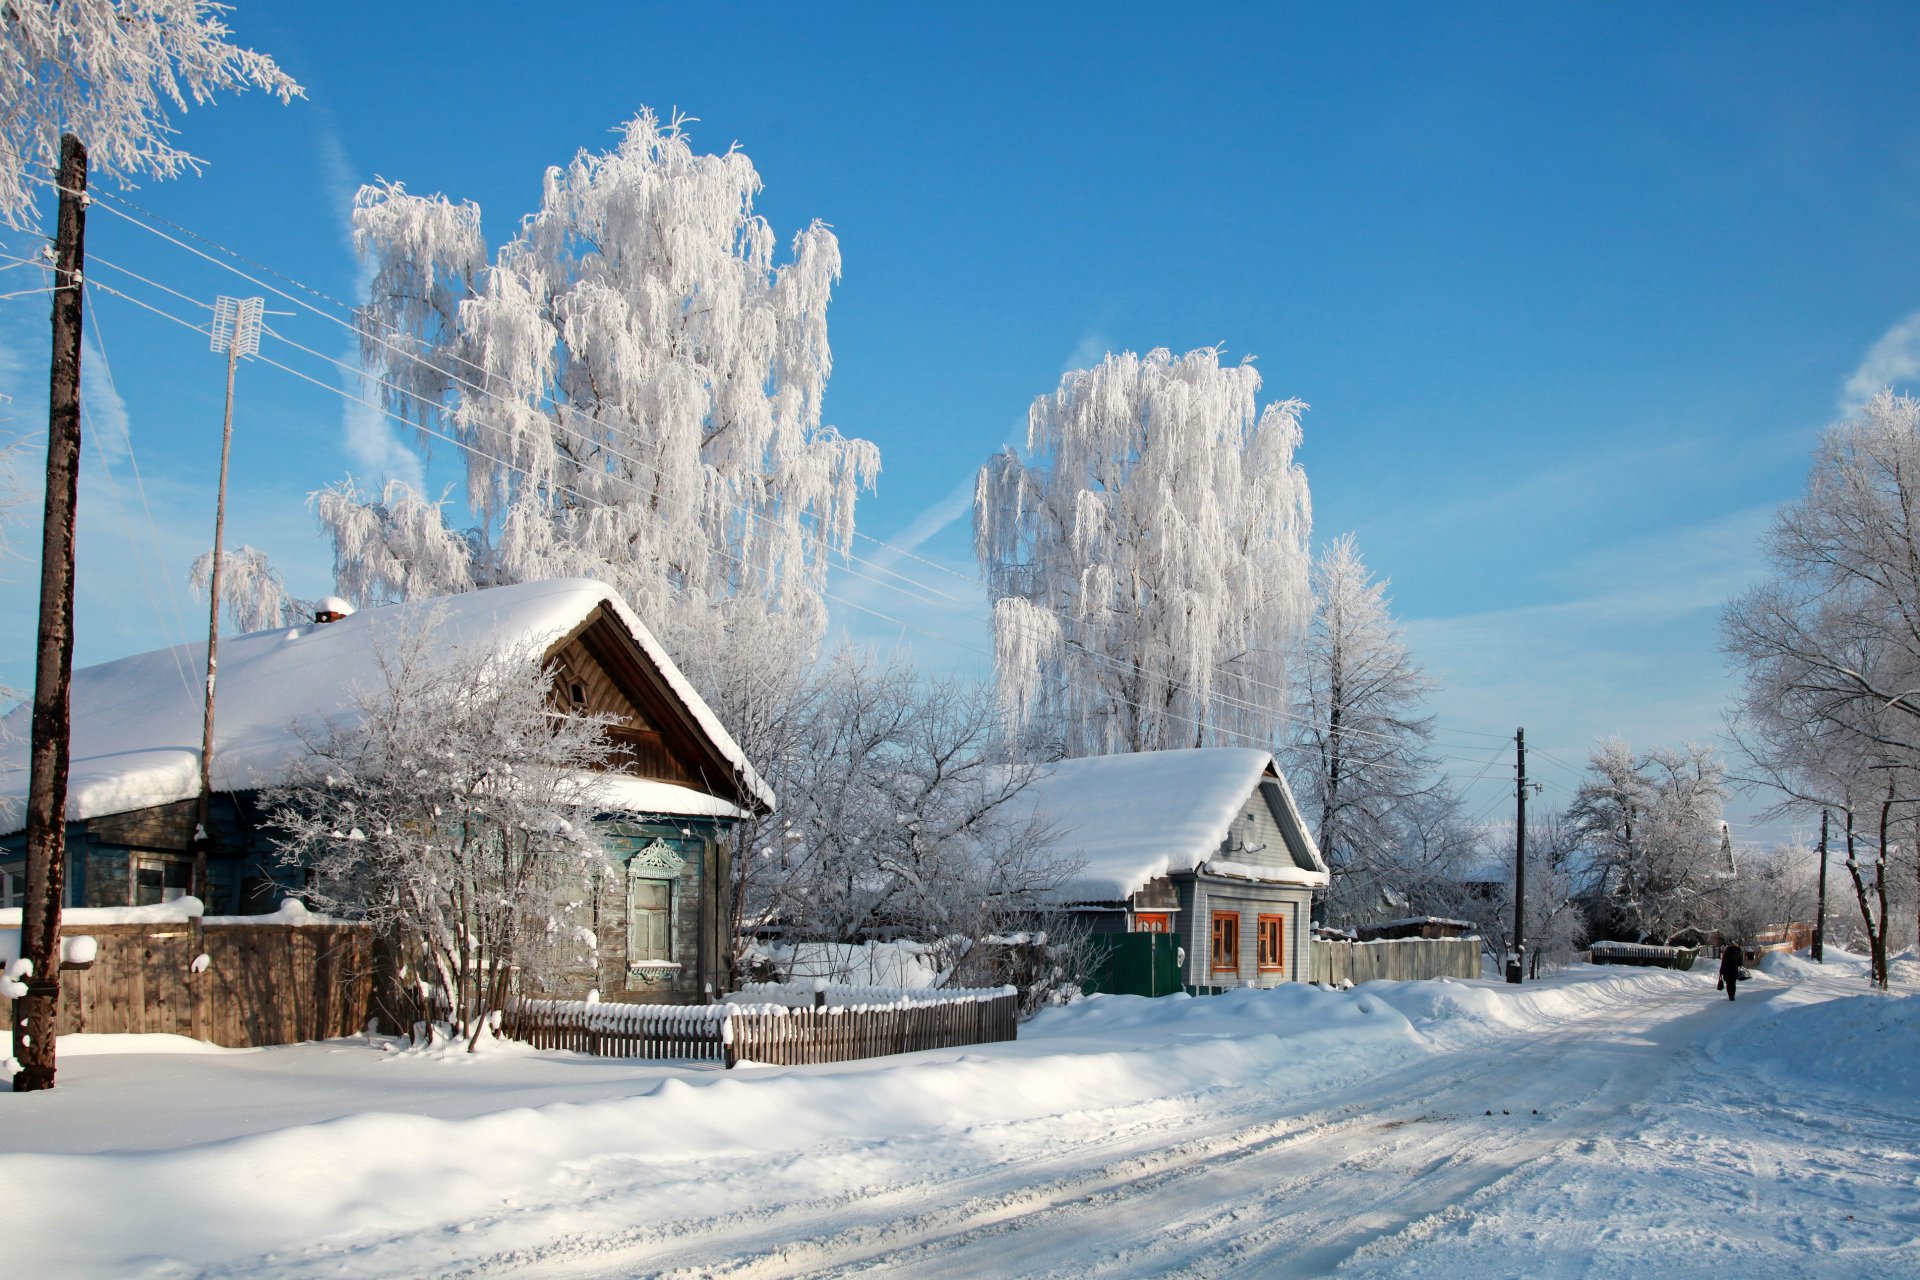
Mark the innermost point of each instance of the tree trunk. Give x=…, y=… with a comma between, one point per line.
x=34, y=1014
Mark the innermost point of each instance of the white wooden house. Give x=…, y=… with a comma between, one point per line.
x=1205, y=844
x=674, y=781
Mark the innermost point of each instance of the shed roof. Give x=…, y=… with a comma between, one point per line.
x=137, y=721
x=1132, y=818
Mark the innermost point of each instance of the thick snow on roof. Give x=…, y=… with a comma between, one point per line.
x=137, y=721
x=1131, y=818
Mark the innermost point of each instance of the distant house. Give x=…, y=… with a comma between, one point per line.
x=1204, y=844
x=675, y=780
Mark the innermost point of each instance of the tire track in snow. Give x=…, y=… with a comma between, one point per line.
x=1290, y=1197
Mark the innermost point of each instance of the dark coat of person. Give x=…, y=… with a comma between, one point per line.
x=1731, y=961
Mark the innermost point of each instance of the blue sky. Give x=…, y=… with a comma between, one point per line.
x=1570, y=290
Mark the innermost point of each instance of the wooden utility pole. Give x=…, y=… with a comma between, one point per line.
x=1516, y=967
x=1820, y=921
x=34, y=1013
x=236, y=331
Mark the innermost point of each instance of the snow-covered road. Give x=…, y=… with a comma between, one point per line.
x=1603, y=1123
x=1262, y=1182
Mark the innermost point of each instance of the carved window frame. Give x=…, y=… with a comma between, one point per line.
x=654, y=863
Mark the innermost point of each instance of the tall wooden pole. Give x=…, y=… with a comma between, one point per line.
x=203, y=837
x=34, y=1013
x=1820, y=921
x=1516, y=967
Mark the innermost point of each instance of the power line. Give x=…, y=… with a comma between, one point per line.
x=1278, y=713
x=358, y=328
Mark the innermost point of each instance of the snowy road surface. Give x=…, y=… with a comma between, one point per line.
x=1604, y=1123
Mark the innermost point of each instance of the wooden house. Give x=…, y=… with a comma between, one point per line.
x=675, y=779
x=1206, y=845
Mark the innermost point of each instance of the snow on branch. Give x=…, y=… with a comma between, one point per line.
x=108, y=71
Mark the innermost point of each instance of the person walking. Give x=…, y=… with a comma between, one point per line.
x=1731, y=961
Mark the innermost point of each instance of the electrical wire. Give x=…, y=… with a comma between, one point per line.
x=921, y=590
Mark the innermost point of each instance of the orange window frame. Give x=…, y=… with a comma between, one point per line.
x=1273, y=943
x=1226, y=942
x=1153, y=922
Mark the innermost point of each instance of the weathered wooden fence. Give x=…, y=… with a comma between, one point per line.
x=259, y=984
x=1398, y=959
x=770, y=1033
x=1644, y=955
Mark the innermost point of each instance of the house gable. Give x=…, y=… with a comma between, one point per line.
x=653, y=734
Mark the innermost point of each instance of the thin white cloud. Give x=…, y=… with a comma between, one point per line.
x=1632, y=650
x=377, y=451
x=1088, y=352
x=106, y=423
x=957, y=503
x=1892, y=361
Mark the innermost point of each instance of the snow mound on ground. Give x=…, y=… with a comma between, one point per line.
x=1293, y=1009
x=1787, y=966
x=1860, y=1046
x=76, y=1044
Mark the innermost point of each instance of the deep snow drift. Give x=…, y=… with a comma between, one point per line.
x=1604, y=1122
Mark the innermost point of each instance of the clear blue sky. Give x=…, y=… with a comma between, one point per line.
x=1570, y=290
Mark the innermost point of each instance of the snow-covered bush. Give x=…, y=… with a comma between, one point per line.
x=455, y=814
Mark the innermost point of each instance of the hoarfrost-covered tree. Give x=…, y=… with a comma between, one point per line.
x=107, y=71
x=1148, y=561
x=252, y=593
x=455, y=813
x=1652, y=826
x=1357, y=753
x=900, y=818
x=1829, y=647
x=638, y=389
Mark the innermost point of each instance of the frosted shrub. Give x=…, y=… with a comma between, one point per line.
x=455, y=813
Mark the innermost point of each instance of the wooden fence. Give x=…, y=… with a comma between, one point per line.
x=1399, y=959
x=260, y=984
x=769, y=1033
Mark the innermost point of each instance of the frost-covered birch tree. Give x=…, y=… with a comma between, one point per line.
x=637, y=388
x=1357, y=754
x=453, y=811
x=1829, y=646
x=1148, y=559
x=107, y=71
x=252, y=593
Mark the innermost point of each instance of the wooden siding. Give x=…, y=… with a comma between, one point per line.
x=658, y=737
x=1202, y=898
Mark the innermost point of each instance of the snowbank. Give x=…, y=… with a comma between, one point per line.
x=1839, y=1046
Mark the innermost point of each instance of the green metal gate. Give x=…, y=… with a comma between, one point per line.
x=1136, y=964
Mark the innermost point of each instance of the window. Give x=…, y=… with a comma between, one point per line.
x=1226, y=942
x=1273, y=937
x=649, y=920
x=653, y=910
x=158, y=879
x=13, y=888
x=1153, y=922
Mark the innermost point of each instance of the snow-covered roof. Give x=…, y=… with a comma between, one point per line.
x=137, y=721
x=1131, y=818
